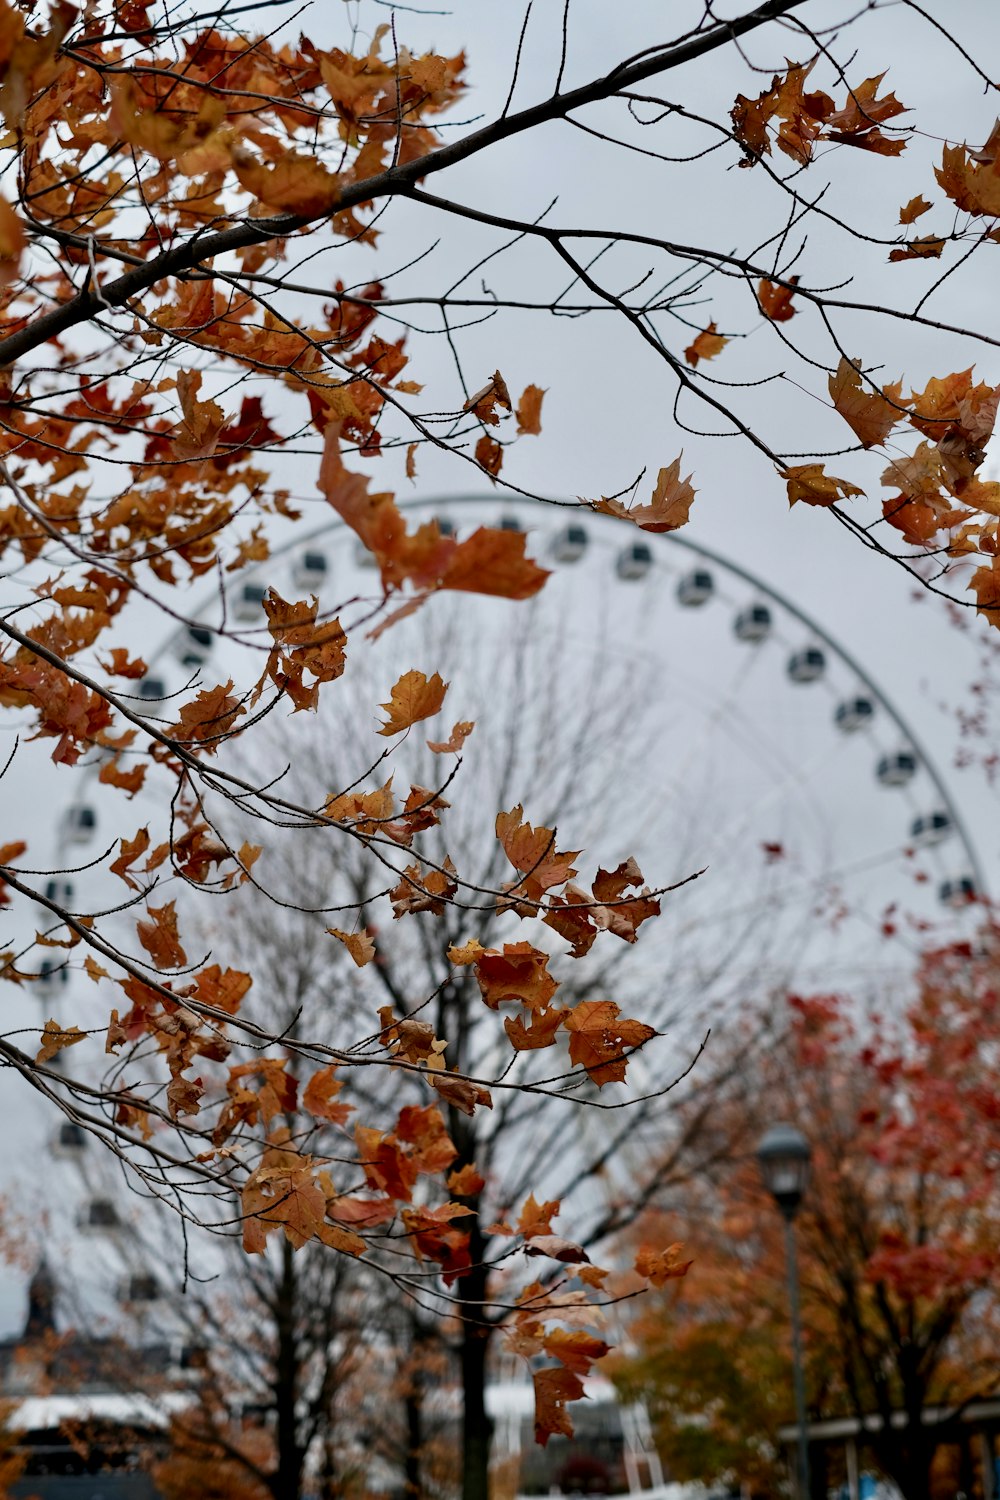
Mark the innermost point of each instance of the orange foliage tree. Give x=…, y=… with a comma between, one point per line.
x=165, y=182
x=899, y=1237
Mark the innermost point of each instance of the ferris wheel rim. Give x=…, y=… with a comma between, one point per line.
x=336, y=523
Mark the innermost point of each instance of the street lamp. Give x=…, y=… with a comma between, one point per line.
x=784, y=1155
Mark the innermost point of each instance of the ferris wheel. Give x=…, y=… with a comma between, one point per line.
x=715, y=727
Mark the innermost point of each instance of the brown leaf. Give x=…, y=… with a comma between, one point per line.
x=529, y=410
x=489, y=455
x=455, y=741
x=553, y=1389
x=870, y=414
x=912, y=210
x=55, y=1038
x=668, y=508
x=601, y=1042
x=320, y=1095
x=661, y=1266
x=159, y=937
x=707, y=345
x=928, y=248
x=776, y=301
x=413, y=698
x=485, y=402
x=556, y=1248
x=360, y=945
x=811, y=483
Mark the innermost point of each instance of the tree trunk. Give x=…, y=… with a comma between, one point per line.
x=414, y=1407
x=286, y=1483
x=477, y=1429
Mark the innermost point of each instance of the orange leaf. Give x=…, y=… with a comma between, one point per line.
x=413, y=698
x=600, y=1041
x=668, y=508
x=298, y=184
x=986, y=587
x=912, y=210
x=536, y=1218
x=661, y=1266
x=485, y=402
x=707, y=345
x=553, y=1389
x=529, y=410
x=493, y=562
x=55, y=1038
x=455, y=741
x=776, y=301
x=12, y=241
x=489, y=455
x=577, y=1350
x=159, y=937
x=321, y=1092
x=519, y=972
x=359, y=945
x=811, y=483
x=540, y=1033
x=466, y=1182
x=871, y=415
x=928, y=248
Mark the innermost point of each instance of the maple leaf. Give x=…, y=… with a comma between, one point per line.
x=811, y=483
x=159, y=937
x=418, y=891
x=599, y=1041
x=553, y=1389
x=208, y=718
x=55, y=1038
x=556, y=1248
x=529, y=410
x=461, y=1092
x=973, y=185
x=455, y=740
x=668, y=508
x=466, y=1182
x=320, y=1094
x=536, y=1218
x=775, y=300
x=519, y=972
x=297, y=184
x=532, y=852
x=484, y=403
x=12, y=242
x=927, y=248
x=540, y=1033
x=413, y=698
x=707, y=345
x=493, y=562
x=871, y=415
x=489, y=455
x=577, y=1350
x=360, y=945
x=661, y=1266
x=8, y=853
x=912, y=210
x=985, y=584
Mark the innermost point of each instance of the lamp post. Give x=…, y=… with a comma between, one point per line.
x=784, y=1155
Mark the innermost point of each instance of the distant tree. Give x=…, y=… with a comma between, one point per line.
x=899, y=1237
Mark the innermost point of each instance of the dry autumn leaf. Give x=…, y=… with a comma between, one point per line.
x=811, y=483
x=668, y=508
x=870, y=414
x=360, y=945
x=55, y=1038
x=776, y=299
x=413, y=698
x=706, y=345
